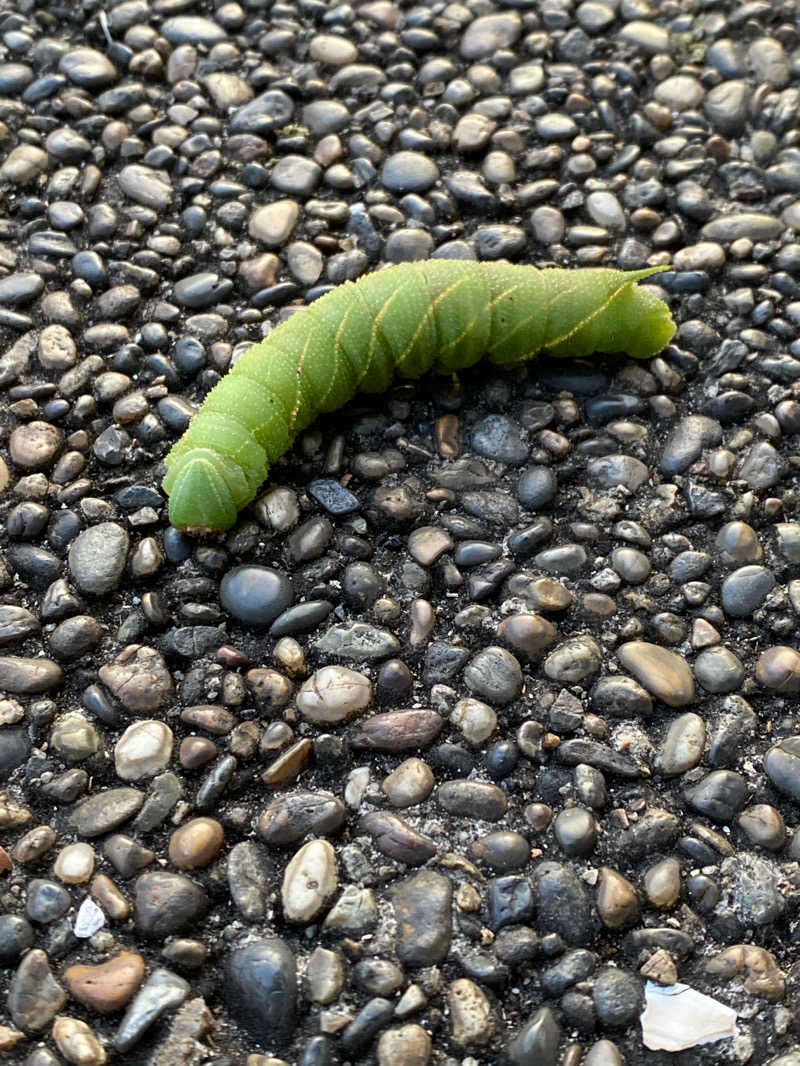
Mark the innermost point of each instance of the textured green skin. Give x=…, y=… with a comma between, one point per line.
x=402, y=321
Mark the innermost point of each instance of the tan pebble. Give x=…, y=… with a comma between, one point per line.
x=617, y=902
x=661, y=968
x=74, y=864
x=427, y=544
x=662, y=672
x=77, y=1042
x=412, y=782
x=325, y=975
x=476, y=720
x=763, y=978
x=333, y=694
x=470, y=1013
x=288, y=764
x=9, y=1038
x=110, y=898
x=143, y=750
x=309, y=881
x=4, y=475
x=468, y=898
x=288, y=654
x=332, y=49
x=34, y=844
x=5, y=861
x=408, y=1045
x=109, y=986
x=196, y=844
x=265, y=1060
x=34, y=445
x=764, y=825
x=662, y=883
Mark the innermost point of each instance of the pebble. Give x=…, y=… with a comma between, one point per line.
x=77, y=1042
x=74, y=864
x=34, y=995
x=405, y=1045
x=97, y=558
x=88, y=68
x=746, y=589
x=333, y=694
x=143, y=750
x=106, y=987
x=167, y=904
x=409, y=784
x=663, y=673
x=196, y=844
x=495, y=675
x=309, y=881
x=268, y=967
x=537, y=1042
x=471, y=1019
x=162, y=991
x=503, y=641
x=719, y=795
x=146, y=186
x=782, y=765
x=422, y=907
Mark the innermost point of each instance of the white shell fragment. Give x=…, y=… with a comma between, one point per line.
x=676, y=1018
x=89, y=919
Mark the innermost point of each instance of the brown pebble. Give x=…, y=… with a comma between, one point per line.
x=196, y=751
x=396, y=839
x=617, y=902
x=196, y=844
x=34, y=445
x=778, y=668
x=763, y=978
x=409, y=1045
x=210, y=717
x=662, y=883
x=528, y=634
x=288, y=765
x=662, y=672
x=109, y=986
x=110, y=898
x=399, y=730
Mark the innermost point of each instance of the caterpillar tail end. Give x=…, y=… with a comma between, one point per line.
x=200, y=501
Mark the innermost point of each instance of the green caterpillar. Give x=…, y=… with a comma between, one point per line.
x=404, y=320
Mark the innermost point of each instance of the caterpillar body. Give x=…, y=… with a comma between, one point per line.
x=402, y=321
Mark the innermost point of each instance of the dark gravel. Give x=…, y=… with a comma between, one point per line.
x=483, y=715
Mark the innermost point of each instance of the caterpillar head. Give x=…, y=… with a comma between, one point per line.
x=201, y=499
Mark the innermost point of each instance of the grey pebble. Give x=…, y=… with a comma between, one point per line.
x=34, y=995
x=409, y=172
x=88, y=68
x=261, y=989
x=746, y=589
x=618, y=996
x=192, y=29
x=719, y=795
x=256, y=594
x=422, y=907
x=495, y=675
x=162, y=991
x=538, y=1041
x=97, y=557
